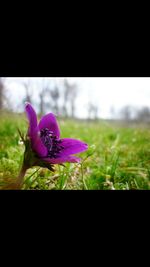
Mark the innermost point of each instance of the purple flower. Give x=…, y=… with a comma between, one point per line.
x=46, y=142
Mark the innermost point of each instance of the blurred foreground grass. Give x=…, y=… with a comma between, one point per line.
x=118, y=157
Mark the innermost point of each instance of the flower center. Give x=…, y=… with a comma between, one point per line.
x=52, y=142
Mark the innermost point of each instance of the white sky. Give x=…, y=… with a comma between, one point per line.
x=104, y=92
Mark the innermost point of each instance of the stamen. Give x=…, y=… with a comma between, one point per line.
x=52, y=143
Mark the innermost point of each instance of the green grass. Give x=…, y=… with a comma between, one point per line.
x=118, y=157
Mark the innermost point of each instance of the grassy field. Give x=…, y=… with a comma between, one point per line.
x=118, y=157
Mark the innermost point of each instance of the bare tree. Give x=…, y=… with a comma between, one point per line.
x=43, y=91
x=73, y=95
x=143, y=115
x=92, y=111
x=49, y=96
x=28, y=91
x=41, y=105
x=69, y=98
x=4, y=99
x=126, y=113
x=96, y=112
x=65, y=97
x=55, y=94
x=1, y=93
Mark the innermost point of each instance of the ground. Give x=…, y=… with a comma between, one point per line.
x=118, y=157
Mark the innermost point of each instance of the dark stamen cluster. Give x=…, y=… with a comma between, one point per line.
x=52, y=143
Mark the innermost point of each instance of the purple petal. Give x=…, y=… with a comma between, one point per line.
x=72, y=146
x=31, y=114
x=49, y=121
x=37, y=144
x=62, y=160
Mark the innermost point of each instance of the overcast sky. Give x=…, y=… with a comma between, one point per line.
x=104, y=92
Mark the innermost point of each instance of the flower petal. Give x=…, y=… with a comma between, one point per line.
x=49, y=121
x=62, y=160
x=31, y=114
x=72, y=146
x=37, y=144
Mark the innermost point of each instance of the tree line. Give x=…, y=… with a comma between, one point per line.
x=61, y=98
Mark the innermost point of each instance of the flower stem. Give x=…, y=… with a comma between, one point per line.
x=19, y=181
x=20, y=177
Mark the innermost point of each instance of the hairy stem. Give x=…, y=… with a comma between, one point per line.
x=20, y=177
x=19, y=181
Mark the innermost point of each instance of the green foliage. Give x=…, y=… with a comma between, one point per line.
x=117, y=159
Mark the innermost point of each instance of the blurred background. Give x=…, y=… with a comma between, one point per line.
x=112, y=99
